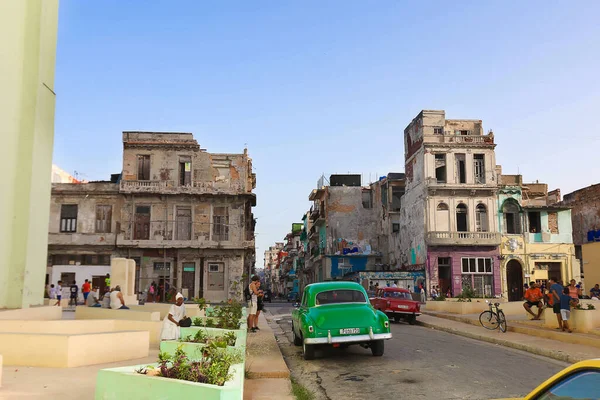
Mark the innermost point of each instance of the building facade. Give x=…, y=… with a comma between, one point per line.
x=448, y=221
x=270, y=264
x=183, y=214
x=585, y=217
x=536, y=236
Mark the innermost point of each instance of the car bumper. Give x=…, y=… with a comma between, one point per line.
x=405, y=312
x=348, y=339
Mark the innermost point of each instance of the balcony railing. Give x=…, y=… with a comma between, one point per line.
x=197, y=187
x=460, y=139
x=180, y=233
x=464, y=238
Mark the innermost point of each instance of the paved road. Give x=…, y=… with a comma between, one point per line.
x=419, y=363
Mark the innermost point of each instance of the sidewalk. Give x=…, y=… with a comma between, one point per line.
x=568, y=347
x=267, y=375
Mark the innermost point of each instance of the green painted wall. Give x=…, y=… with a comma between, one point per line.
x=28, y=29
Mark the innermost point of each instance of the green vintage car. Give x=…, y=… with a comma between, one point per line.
x=338, y=314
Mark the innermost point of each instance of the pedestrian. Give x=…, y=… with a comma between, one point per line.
x=434, y=293
x=170, y=328
x=423, y=294
x=116, y=299
x=533, y=297
x=395, y=284
x=107, y=280
x=52, y=293
x=565, y=309
x=152, y=291
x=92, y=298
x=595, y=292
x=574, y=290
x=555, y=292
x=74, y=290
x=260, y=304
x=85, y=289
x=106, y=298
x=58, y=293
x=252, y=294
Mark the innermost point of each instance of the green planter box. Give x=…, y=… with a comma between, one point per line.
x=124, y=383
x=194, y=350
x=241, y=333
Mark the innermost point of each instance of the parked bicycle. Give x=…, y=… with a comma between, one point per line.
x=493, y=318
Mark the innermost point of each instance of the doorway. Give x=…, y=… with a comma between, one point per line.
x=444, y=274
x=184, y=223
x=514, y=280
x=555, y=272
x=99, y=281
x=189, y=279
x=141, y=228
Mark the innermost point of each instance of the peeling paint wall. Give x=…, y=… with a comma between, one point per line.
x=585, y=213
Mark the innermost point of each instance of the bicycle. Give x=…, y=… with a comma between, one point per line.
x=493, y=320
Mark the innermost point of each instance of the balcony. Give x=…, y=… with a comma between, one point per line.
x=467, y=140
x=463, y=238
x=183, y=234
x=171, y=187
x=81, y=239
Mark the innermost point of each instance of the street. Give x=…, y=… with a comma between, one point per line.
x=419, y=363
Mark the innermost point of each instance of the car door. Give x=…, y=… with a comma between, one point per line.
x=297, y=314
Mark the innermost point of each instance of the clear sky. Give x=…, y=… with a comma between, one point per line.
x=328, y=87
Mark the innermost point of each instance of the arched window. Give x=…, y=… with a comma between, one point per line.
x=512, y=218
x=481, y=218
x=442, y=218
x=461, y=218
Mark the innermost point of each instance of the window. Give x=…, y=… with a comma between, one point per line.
x=461, y=174
x=81, y=259
x=395, y=227
x=477, y=274
x=479, y=168
x=481, y=218
x=440, y=168
x=397, y=193
x=438, y=130
x=578, y=385
x=397, y=295
x=220, y=223
x=340, y=296
x=535, y=222
x=461, y=218
x=512, y=218
x=103, y=218
x=185, y=171
x=143, y=171
x=141, y=227
x=462, y=132
x=442, y=218
x=367, y=199
x=216, y=276
x=68, y=218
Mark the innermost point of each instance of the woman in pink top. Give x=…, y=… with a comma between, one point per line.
x=573, y=291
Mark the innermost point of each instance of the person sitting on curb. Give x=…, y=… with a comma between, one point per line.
x=533, y=297
x=116, y=299
x=92, y=298
x=595, y=292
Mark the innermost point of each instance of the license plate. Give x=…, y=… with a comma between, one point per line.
x=402, y=306
x=349, y=331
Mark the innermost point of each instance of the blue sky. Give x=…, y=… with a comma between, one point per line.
x=318, y=87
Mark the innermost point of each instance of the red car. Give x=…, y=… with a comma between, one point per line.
x=397, y=303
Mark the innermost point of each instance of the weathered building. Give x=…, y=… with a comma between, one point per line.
x=183, y=214
x=536, y=235
x=585, y=217
x=343, y=233
x=448, y=219
x=270, y=263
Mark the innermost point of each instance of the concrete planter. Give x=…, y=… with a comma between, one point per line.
x=194, y=350
x=455, y=307
x=125, y=383
x=241, y=333
x=582, y=321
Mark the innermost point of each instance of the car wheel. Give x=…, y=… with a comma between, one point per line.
x=297, y=340
x=412, y=320
x=308, y=351
x=396, y=318
x=377, y=348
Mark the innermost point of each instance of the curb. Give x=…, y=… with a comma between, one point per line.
x=557, y=355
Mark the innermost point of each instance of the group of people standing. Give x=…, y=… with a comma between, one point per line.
x=560, y=298
x=112, y=298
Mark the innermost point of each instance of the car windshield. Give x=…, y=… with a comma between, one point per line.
x=340, y=296
x=398, y=295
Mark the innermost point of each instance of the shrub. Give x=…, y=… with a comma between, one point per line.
x=441, y=297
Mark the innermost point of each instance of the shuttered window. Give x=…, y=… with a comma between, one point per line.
x=103, y=218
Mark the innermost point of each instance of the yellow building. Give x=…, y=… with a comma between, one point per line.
x=537, y=236
x=28, y=29
x=590, y=253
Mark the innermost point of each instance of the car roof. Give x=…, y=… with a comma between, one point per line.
x=321, y=286
x=586, y=364
x=395, y=289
